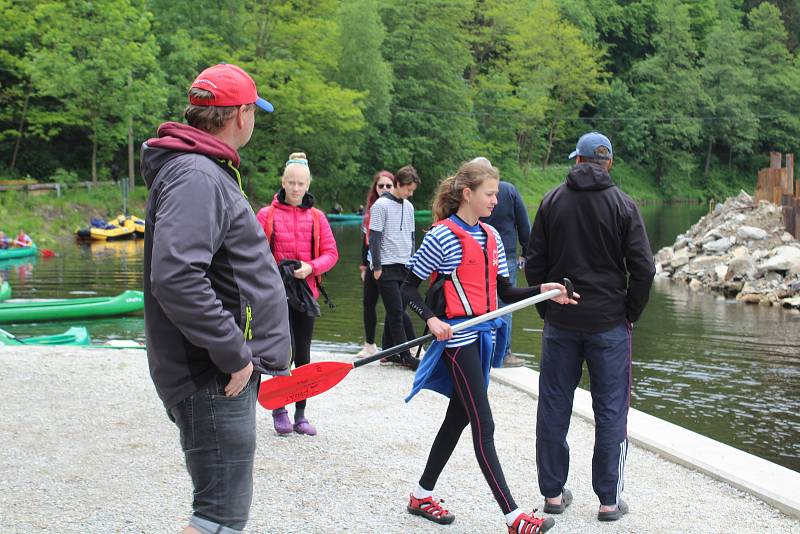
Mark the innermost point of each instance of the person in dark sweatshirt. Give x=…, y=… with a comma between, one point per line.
x=591, y=232
x=510, y=218
x=215, y=306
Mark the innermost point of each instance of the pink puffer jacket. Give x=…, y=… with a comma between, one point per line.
x=293, y=229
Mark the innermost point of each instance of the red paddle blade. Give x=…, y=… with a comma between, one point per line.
x=306, y=381
x=47, y=253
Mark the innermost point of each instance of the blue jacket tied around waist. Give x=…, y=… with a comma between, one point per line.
x=432, y=372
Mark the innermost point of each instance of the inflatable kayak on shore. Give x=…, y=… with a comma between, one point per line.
x=77, y=335
x=24, y=310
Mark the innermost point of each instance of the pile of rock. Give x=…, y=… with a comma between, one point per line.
x=741, y=250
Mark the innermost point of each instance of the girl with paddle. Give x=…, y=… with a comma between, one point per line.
x=466, y=261
x=298, y=232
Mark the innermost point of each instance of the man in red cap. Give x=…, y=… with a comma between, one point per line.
x=215, y=307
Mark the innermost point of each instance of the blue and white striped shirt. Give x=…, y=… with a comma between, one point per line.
x=440, y=251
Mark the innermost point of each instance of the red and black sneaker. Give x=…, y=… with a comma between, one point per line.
x=530, y=524
x=430, y=509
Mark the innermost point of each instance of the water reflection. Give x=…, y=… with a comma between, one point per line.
x=729, y=371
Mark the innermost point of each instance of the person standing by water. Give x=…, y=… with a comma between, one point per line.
x=588, y=230
x=382, y=182
x=391, y=243
x=454, y=253
x=214, y=306
x=297, y=231
x=510, y=218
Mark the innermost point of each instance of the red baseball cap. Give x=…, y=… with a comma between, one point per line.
x=230, y=85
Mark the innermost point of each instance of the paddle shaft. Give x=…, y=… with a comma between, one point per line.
x=499, y=312
x=12, y=336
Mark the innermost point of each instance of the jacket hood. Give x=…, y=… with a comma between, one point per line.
x=588, y=177
x=279, y=200
x=174, y=139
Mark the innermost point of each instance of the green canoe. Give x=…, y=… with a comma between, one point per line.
x=77, y=335
x=23, y=310
x=421, y=215
x=5, y=291
x=18, y=252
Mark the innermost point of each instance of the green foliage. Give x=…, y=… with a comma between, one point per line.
x=431, y=126
x=668, y=86
x=778, y=75
x=693, y=93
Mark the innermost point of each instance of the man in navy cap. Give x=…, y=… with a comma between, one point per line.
x=591, y=232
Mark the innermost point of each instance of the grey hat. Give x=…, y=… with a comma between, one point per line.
x=589, y=144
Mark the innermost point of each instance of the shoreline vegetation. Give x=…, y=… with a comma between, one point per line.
x=48, y=218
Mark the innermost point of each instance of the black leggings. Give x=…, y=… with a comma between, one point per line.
x=469, y=404
x=370, y=300
x=301, y=327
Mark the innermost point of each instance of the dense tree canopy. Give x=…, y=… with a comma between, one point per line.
x=685, y=88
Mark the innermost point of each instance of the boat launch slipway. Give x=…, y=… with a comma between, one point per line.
x=25, y=310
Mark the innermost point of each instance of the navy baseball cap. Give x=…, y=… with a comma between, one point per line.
x=589, y=144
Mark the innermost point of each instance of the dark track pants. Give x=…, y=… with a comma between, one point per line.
x=608, y=359
x=469, y=405
x=397, y=326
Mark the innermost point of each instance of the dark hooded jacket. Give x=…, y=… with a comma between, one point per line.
x=588, y=230
x=214, y=300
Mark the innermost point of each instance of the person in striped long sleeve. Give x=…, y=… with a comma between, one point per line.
x=466, y=261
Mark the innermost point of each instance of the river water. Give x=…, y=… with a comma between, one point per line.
x=726, y=370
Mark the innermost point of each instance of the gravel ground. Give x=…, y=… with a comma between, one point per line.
x=85, y=447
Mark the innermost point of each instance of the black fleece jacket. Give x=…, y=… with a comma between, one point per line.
x=591, y=232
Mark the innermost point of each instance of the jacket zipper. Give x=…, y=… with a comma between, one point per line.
x=486, y=270
x=248, y=329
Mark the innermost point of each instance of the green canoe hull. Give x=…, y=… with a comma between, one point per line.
x=356, y=218
x=21, y=311
x=77, y=335
x=11, y=253
x=5, y=291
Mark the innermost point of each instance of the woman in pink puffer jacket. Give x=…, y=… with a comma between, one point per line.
x=296, y=230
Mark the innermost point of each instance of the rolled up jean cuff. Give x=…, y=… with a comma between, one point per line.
x=209, y=527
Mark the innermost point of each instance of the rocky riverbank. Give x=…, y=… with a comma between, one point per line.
x=741, y=250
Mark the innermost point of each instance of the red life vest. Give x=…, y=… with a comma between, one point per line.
x=471, y=289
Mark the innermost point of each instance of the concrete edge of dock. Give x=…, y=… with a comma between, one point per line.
x=770, y=482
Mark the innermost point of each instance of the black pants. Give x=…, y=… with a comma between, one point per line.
x=469, y=404
x=397, y=326
x=301, y=327
x=370, y=301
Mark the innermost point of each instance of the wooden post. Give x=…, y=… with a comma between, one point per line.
x=790, y=174
x=775, y=160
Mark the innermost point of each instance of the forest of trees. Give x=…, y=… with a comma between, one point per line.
x=690, y=91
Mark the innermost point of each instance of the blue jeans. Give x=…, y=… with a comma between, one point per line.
x=511, y=263
x=218, y=438
x=608, y=359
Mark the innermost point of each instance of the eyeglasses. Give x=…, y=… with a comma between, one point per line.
x=383, y=186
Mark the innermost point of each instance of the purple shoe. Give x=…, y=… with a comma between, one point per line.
x=280, y=418
x=302, y=426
